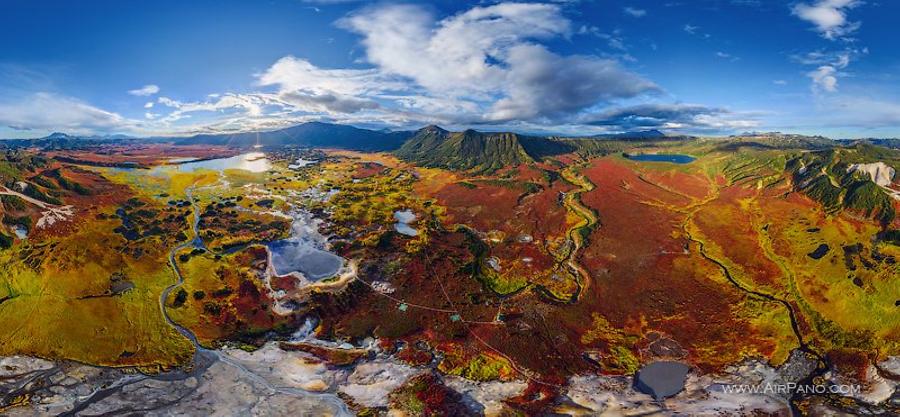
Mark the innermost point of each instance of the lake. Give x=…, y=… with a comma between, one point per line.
x=251, y=161
x=662, y=157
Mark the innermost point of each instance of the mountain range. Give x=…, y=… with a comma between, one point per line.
x=312, y=134
x=434, y=146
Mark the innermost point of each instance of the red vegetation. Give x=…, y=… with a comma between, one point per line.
x=368, y=169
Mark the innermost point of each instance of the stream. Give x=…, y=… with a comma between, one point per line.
x=822, y=363
x=573, y=202
x=203, y=357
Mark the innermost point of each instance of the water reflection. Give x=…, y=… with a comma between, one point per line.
x=252, y=161
x=404, y=218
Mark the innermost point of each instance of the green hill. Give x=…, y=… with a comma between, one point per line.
x=484, y=152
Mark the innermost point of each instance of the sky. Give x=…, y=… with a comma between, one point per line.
x=567, y=67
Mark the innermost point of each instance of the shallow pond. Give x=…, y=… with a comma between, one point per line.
x=820, y=251
x=20, y=231
x=304, y=252
x=404, y=218
x=302, y=163
x=662, y=379
x=662, y=157
x=289, y=256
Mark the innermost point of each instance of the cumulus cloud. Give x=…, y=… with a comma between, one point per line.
x=829, y=66
x=491, y=56
x=828, y=16
x=542, y=84
x=488, y=65
x=290, y=73
x=682, y=117
x=46, y=111
x=328, y=103
x=147, y=90
x=824, y=79
x=311, y=88
x=635, y=12
x=247, y=104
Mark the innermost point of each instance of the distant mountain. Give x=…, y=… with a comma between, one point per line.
x=641, y=135
x=433, y=146
x=778, y=140
x=892, y=143
x=55, y=141
x=58, y=135
x=312, y=134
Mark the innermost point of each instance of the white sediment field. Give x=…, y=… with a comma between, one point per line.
x=881, y=174
x=274, y=382
x=51, y=213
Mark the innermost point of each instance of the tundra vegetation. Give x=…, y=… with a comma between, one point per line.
x=535, y=259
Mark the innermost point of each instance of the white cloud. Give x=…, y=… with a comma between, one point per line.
x=486, y=65
x=615, y=40
x=635, y=12
x=542, y=84
x=828, y=16
x=824, y=79
x=147, y=90
x=290, y=73
x=314, y=89
x=829, y=66
x=46, y=111
x=453, y=55
x=491, y=56
x=725, y=55
x=245, y=104
x=690, y=28
x=841, y=58
x=779, y=82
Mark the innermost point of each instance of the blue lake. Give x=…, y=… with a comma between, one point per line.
x=663, y=157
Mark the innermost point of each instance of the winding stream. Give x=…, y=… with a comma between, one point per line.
x=575, y=234
x=822, y=364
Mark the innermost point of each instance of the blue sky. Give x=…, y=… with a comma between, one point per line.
x=570, y=67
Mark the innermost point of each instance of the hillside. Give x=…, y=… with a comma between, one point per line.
x=470, y=150
x=485, y=152
x=838, y=179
